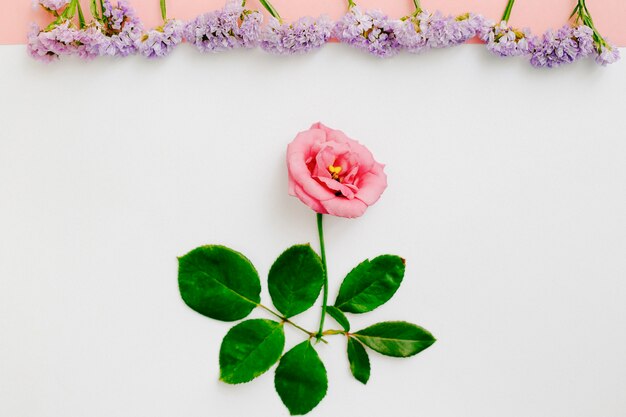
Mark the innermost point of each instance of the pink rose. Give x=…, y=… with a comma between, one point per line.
x=332, y=173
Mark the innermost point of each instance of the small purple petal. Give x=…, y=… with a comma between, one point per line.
x=161, y=41
x=371, y=31
x=302, y=36
x=505, y=41
x=229, y=28
x=54, y=4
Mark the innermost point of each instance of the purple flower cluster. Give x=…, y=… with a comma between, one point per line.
x=122, y=27
x=433, y=30
x=566, y=45
x=607, y=54
x=54, y=4
x=465, y=27
x=91, y=42
x=49, y=45
x=119, y=32
x=157, y=43
x=229, y=28
x=505, y=41
x=371, y=31
x=304, y=35
x=63, y=39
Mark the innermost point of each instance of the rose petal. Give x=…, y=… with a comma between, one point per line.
x=342, y=207
x=372, y=185
x=304, y=141
x=300, y=174
x=345, y=189
x=311, y=202
x=364, y=156
x=298, y=152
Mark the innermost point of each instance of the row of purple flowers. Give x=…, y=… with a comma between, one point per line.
x=117, y=31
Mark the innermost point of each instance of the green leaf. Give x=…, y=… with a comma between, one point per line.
x=339, y=317
x=295, y=280
x=359, y=361
x=396, y=338
x=371, y=284
x=300, y=379
x=249, y=349
x=218, y=282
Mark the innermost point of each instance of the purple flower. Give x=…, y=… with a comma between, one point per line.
x=504, y=40
x=54, y=5
x=567, y=45
x=91, y=42
x=301, y=36
x=36, y=47
x=370, y=31
x=115, y=16
x=48, y=45
x=607, y=54
x=465, y=27
x=433, y=30
x=63, y=39
x=584, y=36
x=161, y=41
x=122, y=27
x=228, y=28
x=410, y=35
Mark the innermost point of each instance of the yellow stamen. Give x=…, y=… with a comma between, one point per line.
x=334, y=172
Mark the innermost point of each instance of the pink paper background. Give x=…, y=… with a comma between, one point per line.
x=538, y=15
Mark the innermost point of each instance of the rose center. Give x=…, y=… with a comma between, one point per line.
x=334, y=172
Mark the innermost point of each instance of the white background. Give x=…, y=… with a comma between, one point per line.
x=507, y=196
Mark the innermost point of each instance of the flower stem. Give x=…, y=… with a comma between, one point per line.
x=268, y=6
x=163, y=10
x=286, y=320
x=104, y=18
x=320, y=232
x=351, y=4
x=582, y=14
x=94, y=10
x=70, y=10
x=418, y=6
x=507, y=11
x=332, y=332
x=81, y=16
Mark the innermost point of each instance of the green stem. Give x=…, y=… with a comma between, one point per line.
x=418, y=6
x=320, y=232
x=81, y=16
x=94, y=10
x=286, y=320
x=163, y=10
x=69, y=12
x=351, y=4
x=332, y=332
x=507, y=11
x=582, y=14
x=104, y=19
x=268, y=6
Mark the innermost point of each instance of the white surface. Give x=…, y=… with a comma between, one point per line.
x=507, y=196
